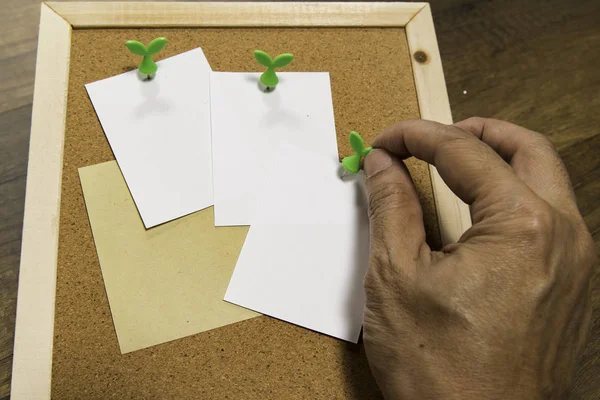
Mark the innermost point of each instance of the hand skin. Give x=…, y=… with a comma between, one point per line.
x=505, y=312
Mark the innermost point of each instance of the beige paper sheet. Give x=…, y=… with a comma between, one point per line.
x=166, y=282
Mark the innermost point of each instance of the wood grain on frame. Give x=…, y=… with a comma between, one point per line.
x=37, y=277
x=242, y=14
x=453, y=215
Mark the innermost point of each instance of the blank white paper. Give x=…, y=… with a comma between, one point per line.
x=159, y=132
x=306, y=253
x=248, y=125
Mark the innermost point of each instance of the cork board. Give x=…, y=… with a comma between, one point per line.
x=372, y=87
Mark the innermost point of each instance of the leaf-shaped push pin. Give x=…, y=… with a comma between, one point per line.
x=352, y=163
x=269, y=78
x=147, y=66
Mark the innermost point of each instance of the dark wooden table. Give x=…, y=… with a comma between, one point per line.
x=534, y=63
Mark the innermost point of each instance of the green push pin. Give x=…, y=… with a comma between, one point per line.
x=147, y=67
x=352, y=163
x=269, y=78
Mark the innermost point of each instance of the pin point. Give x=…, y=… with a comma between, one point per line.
x=269, y=79
x=147, y=67
x=352, y=163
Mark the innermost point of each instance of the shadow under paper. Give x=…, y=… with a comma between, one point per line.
x=359, y=380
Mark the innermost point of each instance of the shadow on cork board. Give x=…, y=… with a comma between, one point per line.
x=372, y=87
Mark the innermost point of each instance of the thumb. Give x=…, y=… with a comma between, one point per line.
x=395, y=214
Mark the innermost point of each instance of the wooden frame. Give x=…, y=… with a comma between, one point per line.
x=32, y=365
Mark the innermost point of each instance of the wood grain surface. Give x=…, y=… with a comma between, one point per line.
x=235, y=14
x=534, y=63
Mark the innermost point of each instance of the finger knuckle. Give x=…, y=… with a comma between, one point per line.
x=380, y=254
x=537, y=222
x=451, y=132
x=543, y=141
x=387, y=273
x=380, y=266
x=475, y=120
x=587, y=252
x=385, y=198
x=455, y=141
x=541, y=146
x=371, y=283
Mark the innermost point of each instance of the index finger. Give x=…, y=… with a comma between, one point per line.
x=470, y=168
x=531, y=155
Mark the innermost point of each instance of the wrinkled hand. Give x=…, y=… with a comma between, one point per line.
x=502, y=314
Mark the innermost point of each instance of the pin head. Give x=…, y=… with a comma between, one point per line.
x=147, y=66
x=269, y=77
x=352, y=163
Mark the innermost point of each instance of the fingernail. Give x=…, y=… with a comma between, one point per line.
x=376, y=161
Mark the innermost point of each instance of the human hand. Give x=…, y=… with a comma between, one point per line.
x=502, y=314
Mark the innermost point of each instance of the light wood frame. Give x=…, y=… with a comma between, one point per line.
x=32, y=362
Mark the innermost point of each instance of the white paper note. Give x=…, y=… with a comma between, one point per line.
x=159, y=132
x=248, y=126
x=306, y=252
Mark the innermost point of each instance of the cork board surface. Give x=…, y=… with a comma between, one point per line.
x=372, y=87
